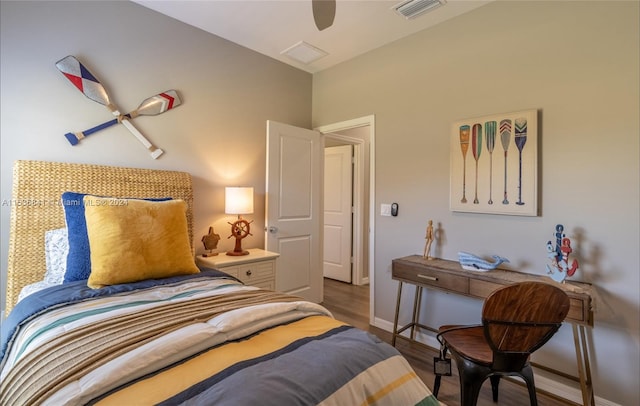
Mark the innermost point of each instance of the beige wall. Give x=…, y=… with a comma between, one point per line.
x=217, y=135
x=565, y=59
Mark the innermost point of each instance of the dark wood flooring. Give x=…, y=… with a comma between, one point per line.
x=350, y=304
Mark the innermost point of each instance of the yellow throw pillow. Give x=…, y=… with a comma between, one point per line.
x=132, y=240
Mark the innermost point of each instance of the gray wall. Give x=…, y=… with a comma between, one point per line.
x=563, y=58
x=217, y=135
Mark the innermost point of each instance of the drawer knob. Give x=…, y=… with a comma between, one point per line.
x=249, y=272
x=427, y=277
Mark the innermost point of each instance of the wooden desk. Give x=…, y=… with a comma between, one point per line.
x=449, y=276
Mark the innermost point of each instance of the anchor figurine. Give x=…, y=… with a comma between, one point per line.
x=560, y=269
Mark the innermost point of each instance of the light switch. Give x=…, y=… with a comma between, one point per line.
x=385, y=209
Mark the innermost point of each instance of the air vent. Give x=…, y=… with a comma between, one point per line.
x=413, y=8
x=304, y=53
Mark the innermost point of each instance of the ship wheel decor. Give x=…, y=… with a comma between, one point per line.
x=239, y=200
x=240, y=229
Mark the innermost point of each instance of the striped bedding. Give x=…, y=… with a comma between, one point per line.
x=201, y=339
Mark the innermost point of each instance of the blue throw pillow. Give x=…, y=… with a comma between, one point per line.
x=79, y=256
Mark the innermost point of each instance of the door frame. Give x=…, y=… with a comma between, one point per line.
x=329, y=131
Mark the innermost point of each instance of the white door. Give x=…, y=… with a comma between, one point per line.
x=294, y=208
x=338, y=212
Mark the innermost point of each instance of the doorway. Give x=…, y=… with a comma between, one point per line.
x=359, y=133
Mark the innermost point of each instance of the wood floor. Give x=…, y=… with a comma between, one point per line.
x=350, y=304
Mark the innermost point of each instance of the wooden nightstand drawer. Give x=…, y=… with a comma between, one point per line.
x=231, y=270
x=257, y=271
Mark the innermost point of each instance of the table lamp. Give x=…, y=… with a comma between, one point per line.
x=239, y=200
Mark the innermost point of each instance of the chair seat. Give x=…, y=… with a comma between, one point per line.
x=468, y=342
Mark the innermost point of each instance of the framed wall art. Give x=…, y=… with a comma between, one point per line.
x=494, y=164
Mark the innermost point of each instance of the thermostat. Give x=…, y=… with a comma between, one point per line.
x=394, y=209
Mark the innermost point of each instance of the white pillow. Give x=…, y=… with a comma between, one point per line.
x=56, y=248
x=34, y=287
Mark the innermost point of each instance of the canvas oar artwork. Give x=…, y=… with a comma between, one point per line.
x=518, y=176
x=91, y=87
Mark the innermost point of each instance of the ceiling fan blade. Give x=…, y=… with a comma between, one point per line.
x=324, y=11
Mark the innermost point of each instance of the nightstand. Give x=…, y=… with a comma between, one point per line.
x=256, y=269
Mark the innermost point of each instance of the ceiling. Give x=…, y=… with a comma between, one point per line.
x=272, y=26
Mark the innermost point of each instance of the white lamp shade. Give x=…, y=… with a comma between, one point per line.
x=238, y=200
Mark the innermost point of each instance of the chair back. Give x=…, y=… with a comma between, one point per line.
x=520, y=318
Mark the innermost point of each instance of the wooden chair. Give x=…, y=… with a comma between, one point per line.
x=516, y=321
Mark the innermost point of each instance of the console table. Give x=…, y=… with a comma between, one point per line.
x=449, y=276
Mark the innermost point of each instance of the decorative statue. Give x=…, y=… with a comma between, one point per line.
x=560, y=269
x=429, y=237
x=210, y=242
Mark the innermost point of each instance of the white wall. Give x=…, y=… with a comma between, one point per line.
x=565, y=59
x=217, y=134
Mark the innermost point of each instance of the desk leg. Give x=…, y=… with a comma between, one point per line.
x=416, y=311
x=395, y=319
x=584, y=369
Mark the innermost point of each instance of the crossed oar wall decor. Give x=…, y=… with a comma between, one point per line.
x=91, y=87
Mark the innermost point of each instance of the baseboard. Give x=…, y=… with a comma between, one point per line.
x=545, y=381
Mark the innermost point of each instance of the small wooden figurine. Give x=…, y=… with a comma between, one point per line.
x=429, y=238
x=210, y=242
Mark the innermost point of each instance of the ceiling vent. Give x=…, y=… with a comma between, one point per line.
x=413, y=8
x=304, y=53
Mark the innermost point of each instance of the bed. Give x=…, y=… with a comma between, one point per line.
x=155, y=330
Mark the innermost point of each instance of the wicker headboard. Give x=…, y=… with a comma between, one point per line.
x=36, y=206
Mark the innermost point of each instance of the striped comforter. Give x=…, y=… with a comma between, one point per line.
x=199, y=339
